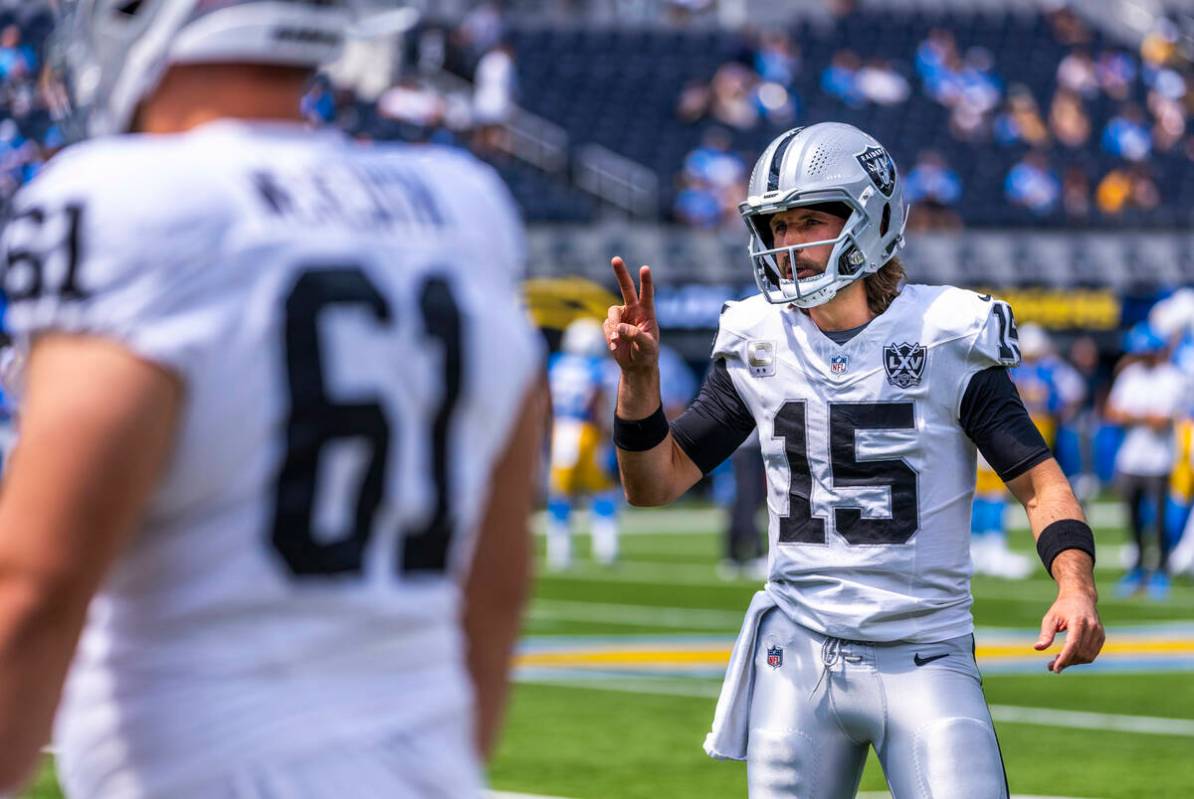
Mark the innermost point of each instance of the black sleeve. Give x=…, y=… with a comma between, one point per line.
x=998, y=423
x=715, y=423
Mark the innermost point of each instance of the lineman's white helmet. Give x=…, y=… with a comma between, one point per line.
x=109, y=55
x=827, y=163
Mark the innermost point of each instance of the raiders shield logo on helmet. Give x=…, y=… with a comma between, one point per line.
x=880, y=167
x=905, y=363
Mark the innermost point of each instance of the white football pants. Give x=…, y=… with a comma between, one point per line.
x=435, y=761
x=819, y=703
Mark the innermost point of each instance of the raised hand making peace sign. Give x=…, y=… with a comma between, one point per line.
x=630, y=328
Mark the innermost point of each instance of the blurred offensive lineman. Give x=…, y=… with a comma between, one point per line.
x=870, y=401
x=279, y=397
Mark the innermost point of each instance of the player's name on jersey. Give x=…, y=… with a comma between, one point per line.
x=377, y=197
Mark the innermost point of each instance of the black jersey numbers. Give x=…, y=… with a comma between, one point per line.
x=799, y=525
x=316, y=421
x=42, y=254
x=1009, y=338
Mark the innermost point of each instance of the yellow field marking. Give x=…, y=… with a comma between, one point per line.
x=720, y=655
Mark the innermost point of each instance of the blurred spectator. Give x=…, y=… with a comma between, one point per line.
x=1068, y=28
x=933, y=188
x=933, y=55
x=714, y=163
x=697, y=205
x=777, y=60
x=1068, y=120
x=1160, y=46
x=495, y=86
x=1126, y=136
x=1021, y=122
x=981, y=87
x=1114, y=191
x=1031, y=184
x=878, y=82
x=1116, y=73
x=1075, y=194
x=732, y=96
x=1126, y=188
x=1076, y=72
x=694, y=100
x=1146, y=399
x=1169, y=126
x=712, y=182
x=776, y=104
x=840, y=78
x=17, y=60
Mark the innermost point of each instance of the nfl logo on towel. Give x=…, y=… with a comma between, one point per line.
x=775, y=657
x=838, y=364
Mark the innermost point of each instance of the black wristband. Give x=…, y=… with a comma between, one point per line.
x=1064, y=534
x=640, y=435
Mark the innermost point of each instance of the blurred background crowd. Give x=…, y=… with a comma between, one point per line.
x=1045, y=149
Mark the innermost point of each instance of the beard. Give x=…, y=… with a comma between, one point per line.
x=805, y=267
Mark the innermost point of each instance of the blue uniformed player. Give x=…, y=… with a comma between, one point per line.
x=582, y=379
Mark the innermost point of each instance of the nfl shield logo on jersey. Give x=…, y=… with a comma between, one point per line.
x=905, y=363
x=760, y=356
x=838, y=364
x=880, y=167
x=775, y=656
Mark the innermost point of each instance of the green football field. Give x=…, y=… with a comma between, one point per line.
x=620, y=668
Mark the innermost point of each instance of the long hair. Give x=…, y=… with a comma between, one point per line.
x=884, y=286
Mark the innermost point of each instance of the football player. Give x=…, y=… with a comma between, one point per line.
x=870, y=398
x=581, y=454
x=279, y=398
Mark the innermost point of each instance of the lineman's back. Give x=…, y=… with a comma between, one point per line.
x=344, y=323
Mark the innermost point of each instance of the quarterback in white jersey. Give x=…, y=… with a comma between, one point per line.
x=280, y=397
x=870, y=398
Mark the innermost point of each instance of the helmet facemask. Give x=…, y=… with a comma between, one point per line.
x=845, y=264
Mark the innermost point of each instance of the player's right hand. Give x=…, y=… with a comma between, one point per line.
x=630, y=328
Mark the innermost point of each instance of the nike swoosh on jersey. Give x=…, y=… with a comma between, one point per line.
x=919, y=661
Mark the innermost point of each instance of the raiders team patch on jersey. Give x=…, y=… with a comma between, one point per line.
x=760, y=357
x=880, y=167
x=838, y=364
x=775, y=656
x=904, y=363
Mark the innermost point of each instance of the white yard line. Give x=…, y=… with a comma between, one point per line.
x=1008, y=714
x=1083, y=720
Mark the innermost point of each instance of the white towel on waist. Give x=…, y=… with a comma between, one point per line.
x=731, y=721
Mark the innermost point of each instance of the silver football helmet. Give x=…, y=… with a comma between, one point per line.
x=106, y=56
x=828, y=163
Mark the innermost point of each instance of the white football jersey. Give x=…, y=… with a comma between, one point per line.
x=870, y=476
x=346, y=324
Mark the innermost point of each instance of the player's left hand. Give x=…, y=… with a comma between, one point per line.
x=1075, y=613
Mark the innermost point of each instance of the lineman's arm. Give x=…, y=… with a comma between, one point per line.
x=96, y=430
x=499, y=579
x=1048, y=498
